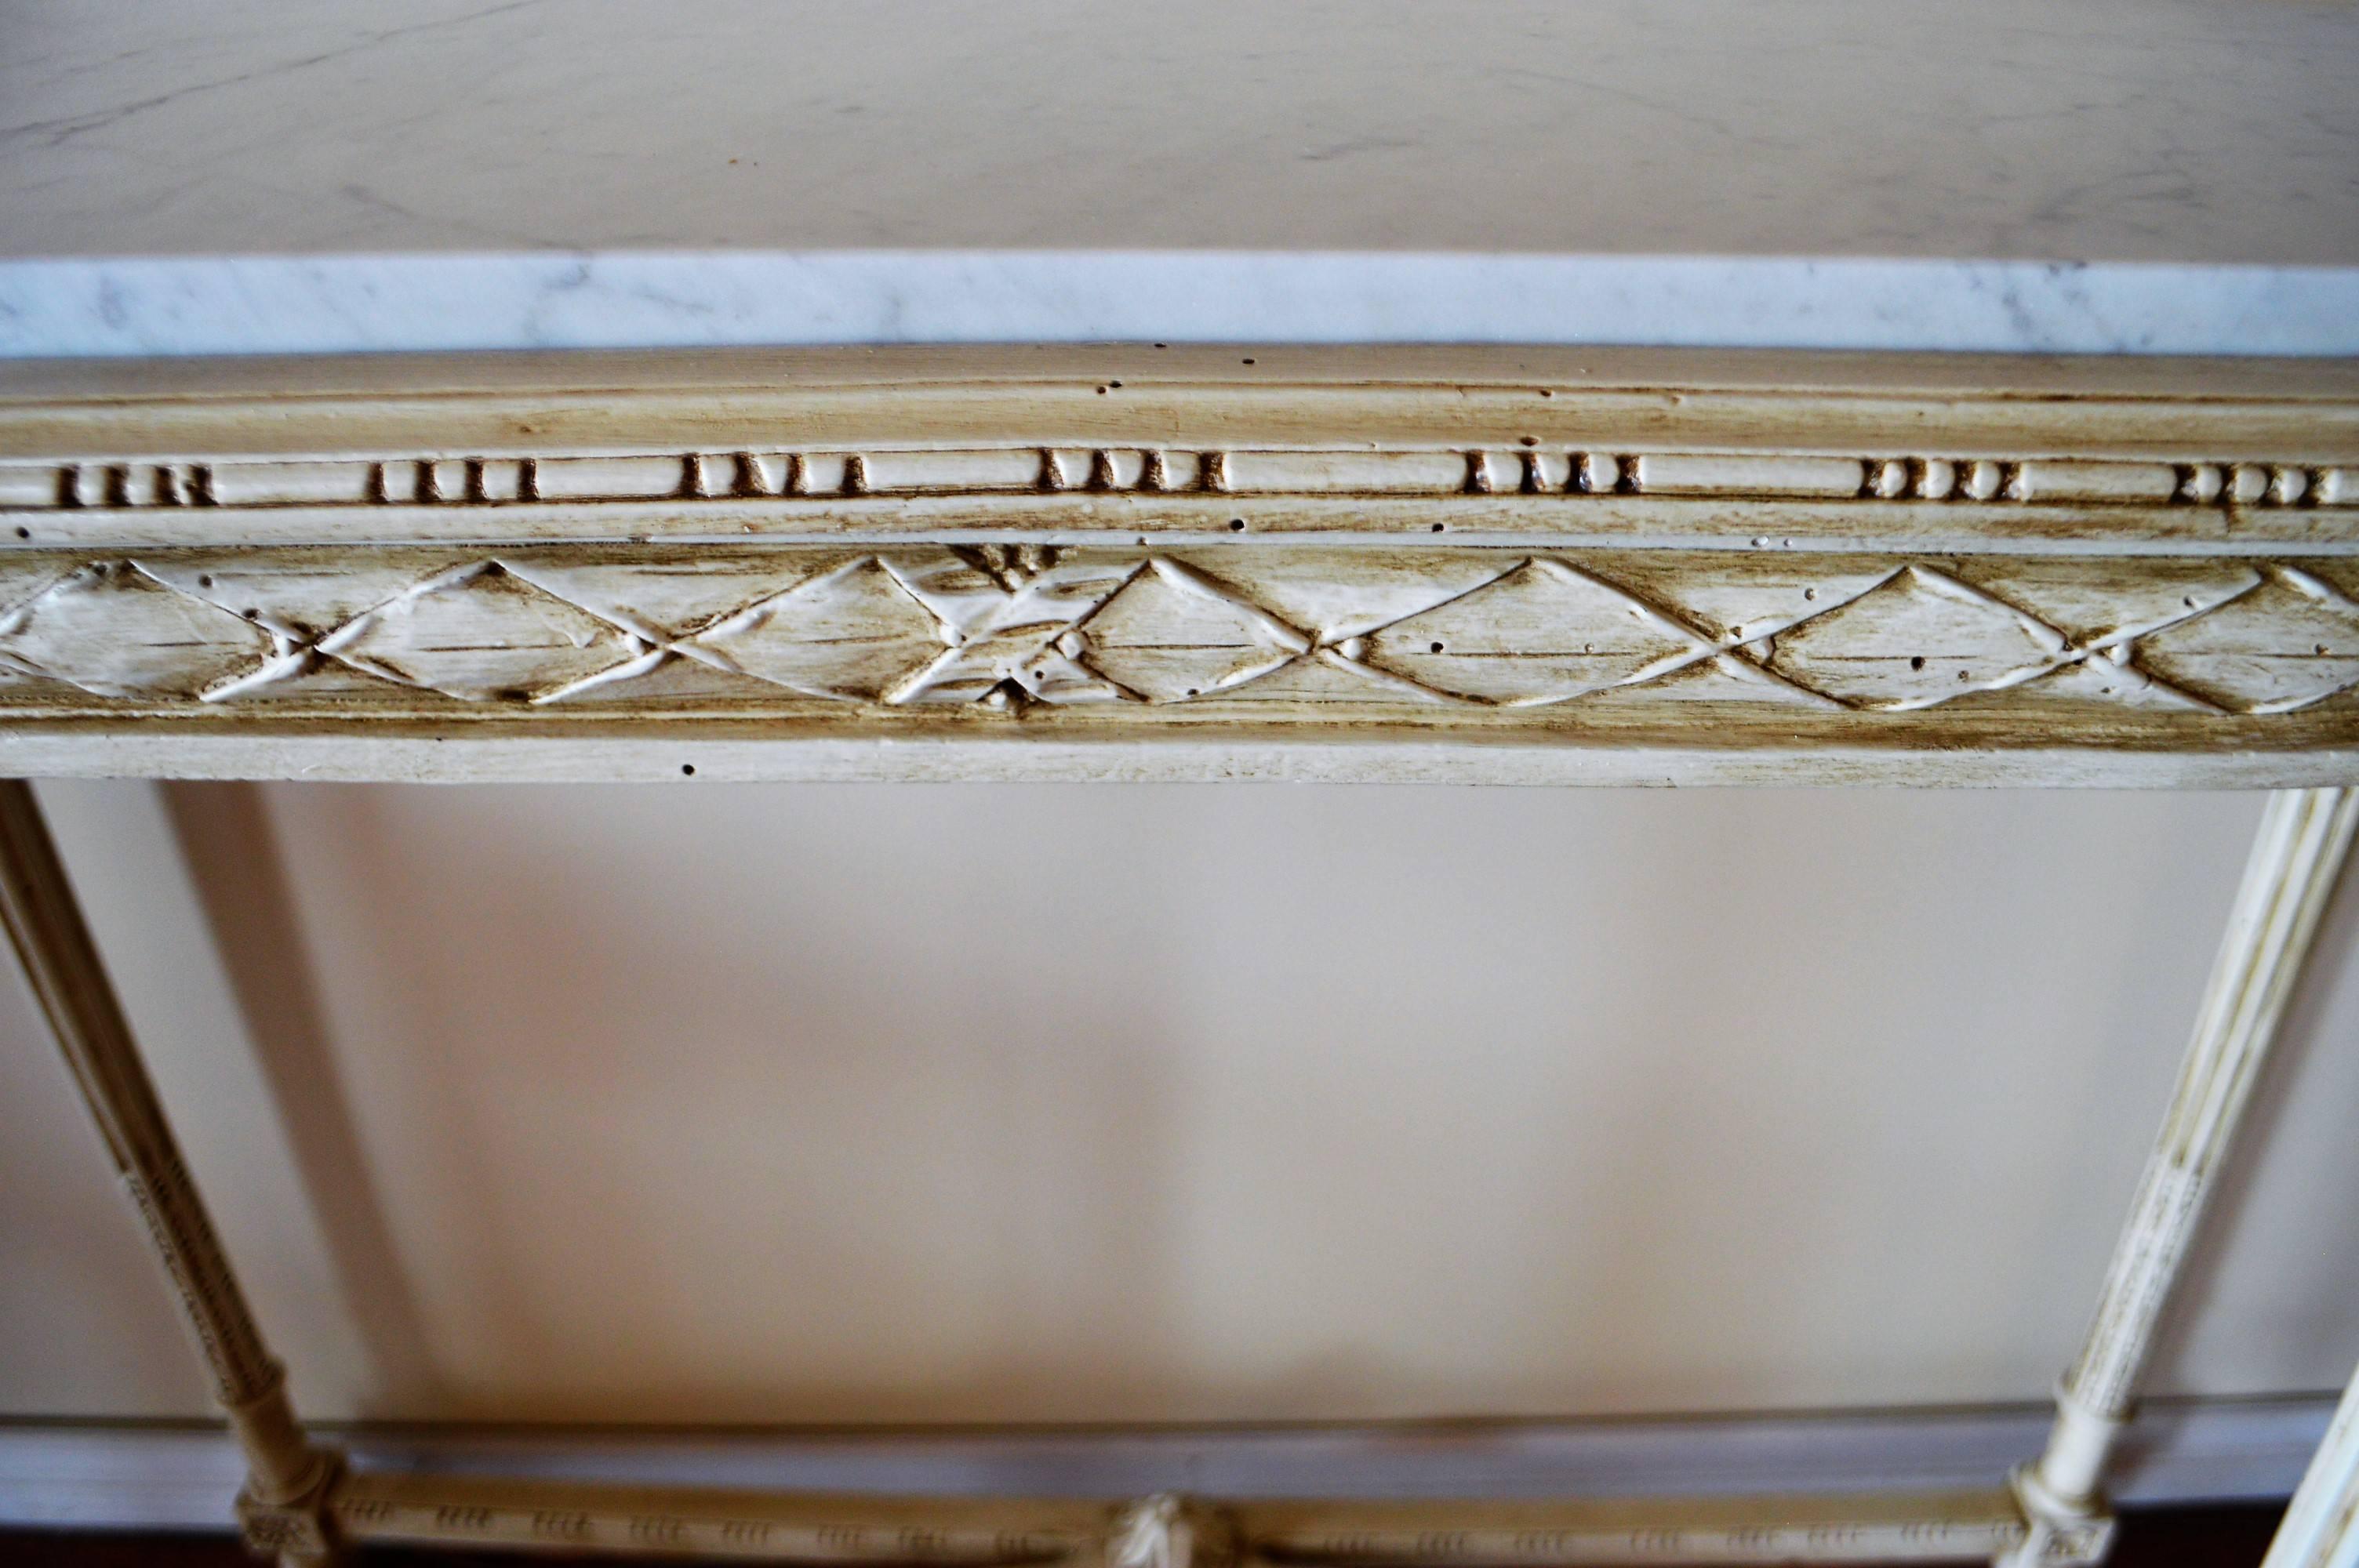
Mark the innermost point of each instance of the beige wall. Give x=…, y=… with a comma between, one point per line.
x=1038, y=1103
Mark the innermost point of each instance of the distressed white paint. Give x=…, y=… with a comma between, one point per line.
x=1707, y=475
x=62, y=965
x=2296, y=860
x=2321, y=1523
x=1430, y=550
x=2116, y=622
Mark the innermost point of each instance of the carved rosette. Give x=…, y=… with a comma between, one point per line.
x=298, y=1530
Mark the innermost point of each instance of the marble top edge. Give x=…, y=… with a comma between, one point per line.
x=149, y=306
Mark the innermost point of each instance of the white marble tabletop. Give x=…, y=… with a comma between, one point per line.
x=2151, y=176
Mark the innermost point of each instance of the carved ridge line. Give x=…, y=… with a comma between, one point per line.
x=1702, y=645
x=590, y=479
x=1015, y=627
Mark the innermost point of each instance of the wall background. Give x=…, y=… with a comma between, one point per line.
x=1051, y=1103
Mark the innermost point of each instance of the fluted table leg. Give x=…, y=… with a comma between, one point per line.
x=2305, y=835
x=287, y=1476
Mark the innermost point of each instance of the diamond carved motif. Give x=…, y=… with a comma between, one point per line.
x=1542, y=633
x=1293, y=628
x=1170, y=633
x=481, y=634
x=2290, y=641
x=854, y=633
x=112, y=629
x=1916, y=639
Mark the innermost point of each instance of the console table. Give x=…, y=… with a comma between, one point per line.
x=1539, y=565
x=1355, y=495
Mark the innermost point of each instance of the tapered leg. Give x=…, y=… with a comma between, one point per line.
x=287, y=1476
x=2304, y=838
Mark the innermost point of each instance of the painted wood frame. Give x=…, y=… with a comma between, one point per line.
x=1538, y=566
x=1542, y=566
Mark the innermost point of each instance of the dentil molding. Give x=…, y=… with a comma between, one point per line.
x=1531, y=565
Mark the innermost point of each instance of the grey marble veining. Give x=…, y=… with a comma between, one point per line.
x=2086, y=175
x=238, y=305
